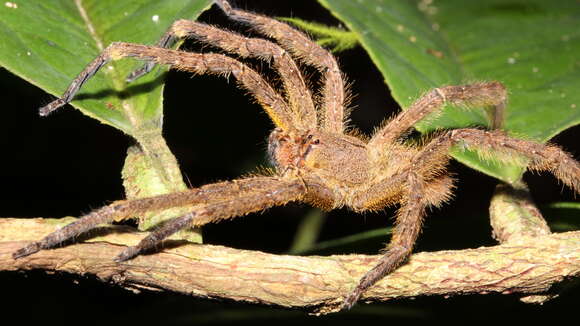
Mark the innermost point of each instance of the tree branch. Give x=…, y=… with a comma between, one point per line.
x=528, y=266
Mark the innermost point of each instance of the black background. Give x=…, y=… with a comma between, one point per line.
x=68, y=164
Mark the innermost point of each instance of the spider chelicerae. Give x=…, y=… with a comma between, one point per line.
x=316, y=160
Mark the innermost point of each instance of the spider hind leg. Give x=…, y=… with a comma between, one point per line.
x=418, y=194
x=432, y=159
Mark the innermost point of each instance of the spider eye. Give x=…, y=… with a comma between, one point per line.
x=309, y=137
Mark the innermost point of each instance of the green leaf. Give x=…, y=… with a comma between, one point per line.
x=563, y=216
x=565, y=205
x=49, y=42
x=308, y=231
x=337, y=38
x=531, y=46
x=346, y=241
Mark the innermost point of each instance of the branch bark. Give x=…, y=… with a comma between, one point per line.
x=531, y=265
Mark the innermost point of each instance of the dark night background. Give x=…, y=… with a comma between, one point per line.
x=68, y=164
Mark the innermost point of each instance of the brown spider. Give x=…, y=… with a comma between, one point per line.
x=316, y=161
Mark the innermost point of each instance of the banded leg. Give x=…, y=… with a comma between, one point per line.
x=297, y=93
x=481, y=94
x=198, y=63
x=302, y=47
x=216, y=201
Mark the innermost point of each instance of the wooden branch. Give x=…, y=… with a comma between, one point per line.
x=528, y=266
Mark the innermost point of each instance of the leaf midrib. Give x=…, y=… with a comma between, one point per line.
x=115, y=77
x=89, y=24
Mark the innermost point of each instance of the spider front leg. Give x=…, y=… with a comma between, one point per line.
x=298, y=95
x=210, y=63
x=309, y=52
x=212, y=203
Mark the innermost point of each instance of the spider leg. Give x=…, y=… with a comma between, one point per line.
x=273, y=193
x=209, y=63
x=216, y=202
x=417, y=196
x=302, y=47
x=298, y=95
x=426, y=165
x=480, y=94
x=539, y=157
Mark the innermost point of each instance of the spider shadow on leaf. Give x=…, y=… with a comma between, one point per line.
x=127, y=92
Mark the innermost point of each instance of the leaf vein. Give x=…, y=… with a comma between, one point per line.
x=89, y=24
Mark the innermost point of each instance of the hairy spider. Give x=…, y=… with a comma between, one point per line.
x=315, y=160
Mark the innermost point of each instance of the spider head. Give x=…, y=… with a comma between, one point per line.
x=288, y=149
x=338, y=158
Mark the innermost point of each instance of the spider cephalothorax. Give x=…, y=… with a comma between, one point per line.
x=316, y=161
x=336, y=159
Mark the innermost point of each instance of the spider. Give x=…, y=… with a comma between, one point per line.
x=316, y=160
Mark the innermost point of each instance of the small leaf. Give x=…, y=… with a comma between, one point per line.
x=565, y=205
x=49, y=42
x=563, y=216
x=531, y=46
x=308, y=231
x=332, y=37
x=346, y=241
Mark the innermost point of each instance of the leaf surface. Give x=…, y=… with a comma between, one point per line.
x=49, y=42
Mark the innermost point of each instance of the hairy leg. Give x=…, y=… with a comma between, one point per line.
x=490, y=145
x=305, y=49
x=214, y=202
x=538, y=157
x=198, y=63
x=480, y=94
x=272, y=193
x=421, y=190
x=298, y=95
x=407, y=228
x=417, y=195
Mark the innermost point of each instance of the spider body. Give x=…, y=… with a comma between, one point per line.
x=316, y=161
x=343, y=164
